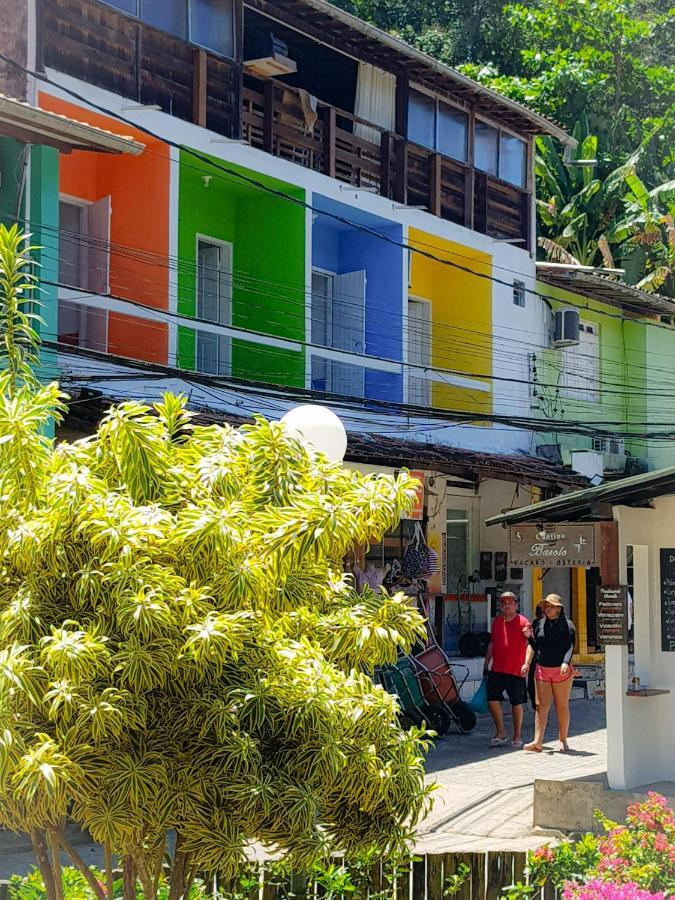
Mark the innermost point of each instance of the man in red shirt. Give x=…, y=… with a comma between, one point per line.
x=507, y=652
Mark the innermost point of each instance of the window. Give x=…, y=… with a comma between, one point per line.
x=436, y=125
x=518, y=293
x=486, y=148
x=419, y=351
x=458, y=550
x=608, y=445
x=82, y=326
x=169, y=15
x=214, y=303
x=127, y=6
x=212, y=25
x=72, y=233
x=338, y=323
x=499, y=153
x=581, y=365
x=209, y=23
x=84, y=233
x=512, y=159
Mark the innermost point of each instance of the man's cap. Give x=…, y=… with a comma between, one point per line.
x=508, y=594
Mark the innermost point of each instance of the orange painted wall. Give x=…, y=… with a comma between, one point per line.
x=139, y=225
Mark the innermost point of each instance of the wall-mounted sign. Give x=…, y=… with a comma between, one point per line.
x=417, y=512
x=501, y=558
x=612, y=615
x=551, y=546
x=667, y=600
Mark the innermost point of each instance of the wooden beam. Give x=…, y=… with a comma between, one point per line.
x=401, y=174
x=268, y=116
x=237, y=112
x=435, y=173
x=386, y=151
x=609, y=552
x=401, y=103
x=329, y=141
x=199, y=87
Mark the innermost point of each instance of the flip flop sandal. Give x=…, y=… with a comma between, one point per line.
x=516, y=744
x=499, y=742
x=532, y=748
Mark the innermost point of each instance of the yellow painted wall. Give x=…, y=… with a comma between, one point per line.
x=461, y=314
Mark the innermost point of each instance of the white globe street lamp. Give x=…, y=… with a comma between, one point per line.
x=319, y=427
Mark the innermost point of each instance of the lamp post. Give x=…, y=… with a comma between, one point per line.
x=320, y=428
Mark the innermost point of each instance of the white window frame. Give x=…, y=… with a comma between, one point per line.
x=82, y=205
x=525, y=140
x=412, y=370
x=575, y=382
x=438, y=99
x=519, y=293
x=228, y=271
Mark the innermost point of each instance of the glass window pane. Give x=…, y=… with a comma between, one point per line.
x=512, y=160
x=212, y=25
x=207, y=353
x=421, y=120
x=213, y=283
x=127, y=6
x=169, y=15
x=452, y=131
x=71, y=270
x=486, y=147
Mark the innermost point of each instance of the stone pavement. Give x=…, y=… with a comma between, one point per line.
x=484, y=797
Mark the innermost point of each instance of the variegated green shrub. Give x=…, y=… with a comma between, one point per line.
x=179, y=650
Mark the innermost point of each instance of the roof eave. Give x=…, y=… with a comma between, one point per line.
x=541, y=125
x=60, y=131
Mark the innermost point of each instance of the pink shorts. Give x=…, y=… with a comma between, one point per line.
x=552, y=674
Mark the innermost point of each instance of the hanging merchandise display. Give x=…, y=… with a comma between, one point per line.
x=419, y=560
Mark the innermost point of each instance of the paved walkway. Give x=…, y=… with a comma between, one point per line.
x=484, y=796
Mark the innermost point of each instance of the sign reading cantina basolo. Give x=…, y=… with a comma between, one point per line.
x=563, y=545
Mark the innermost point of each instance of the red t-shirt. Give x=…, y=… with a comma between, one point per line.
x=509, y=645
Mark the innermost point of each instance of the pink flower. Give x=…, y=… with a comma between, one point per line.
x=604, y=890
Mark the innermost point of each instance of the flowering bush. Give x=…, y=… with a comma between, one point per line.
x=629, y=862
x=603, y=890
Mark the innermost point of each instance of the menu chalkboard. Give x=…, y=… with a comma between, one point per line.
x=612, y=615
x=668, y=600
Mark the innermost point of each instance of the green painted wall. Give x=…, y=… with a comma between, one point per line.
x=268, y=238
x=44, y=217
x=11, y=168
x=622, y=382
x=661, y=391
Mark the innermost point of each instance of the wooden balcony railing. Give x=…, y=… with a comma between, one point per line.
x=101, y=46
x=343, y=146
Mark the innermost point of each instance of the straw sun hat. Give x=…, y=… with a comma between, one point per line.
x=552, y=600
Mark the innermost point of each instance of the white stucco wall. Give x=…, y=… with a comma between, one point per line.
x=641, y=730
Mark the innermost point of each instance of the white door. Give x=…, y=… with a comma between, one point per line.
x=214, y=304
x=419, y=352
x=349, y=331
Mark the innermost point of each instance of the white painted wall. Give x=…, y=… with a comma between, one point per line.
x=641, y=730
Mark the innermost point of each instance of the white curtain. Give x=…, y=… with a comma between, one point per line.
x=375, y=101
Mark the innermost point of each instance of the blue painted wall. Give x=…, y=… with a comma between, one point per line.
x=340, y=249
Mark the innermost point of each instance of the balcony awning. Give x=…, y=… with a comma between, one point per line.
x=594, y=502
x=33, y=125
x=591, y=283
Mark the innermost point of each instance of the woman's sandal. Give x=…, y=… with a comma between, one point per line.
x=532, y=748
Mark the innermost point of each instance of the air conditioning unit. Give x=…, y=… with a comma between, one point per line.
x=613, y=453
x=566, y=328
x=271, y=57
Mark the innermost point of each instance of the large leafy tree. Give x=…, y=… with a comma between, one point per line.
x=608, y=60
x=179, y=650
x=576, y=206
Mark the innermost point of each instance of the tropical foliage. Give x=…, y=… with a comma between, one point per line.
x=179, y=650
